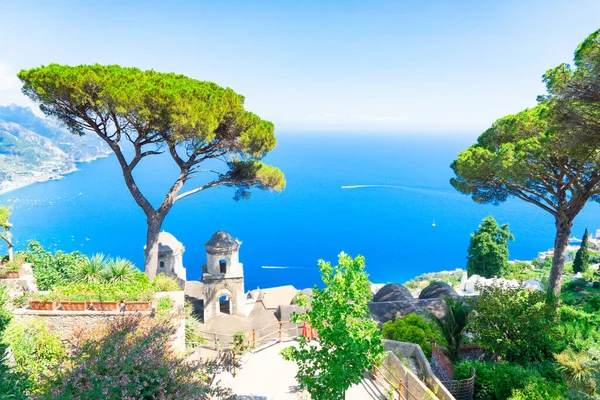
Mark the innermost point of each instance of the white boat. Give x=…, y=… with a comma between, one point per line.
x=433, y=224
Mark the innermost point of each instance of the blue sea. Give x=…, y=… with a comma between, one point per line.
x=388, y=220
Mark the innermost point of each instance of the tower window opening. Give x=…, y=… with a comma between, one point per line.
x=161, y=264
x=223, y=266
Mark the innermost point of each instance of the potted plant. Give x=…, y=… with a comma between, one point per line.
x=106, y=298
x=74, y=301
x=138, y=301
x=11, y=270
x=43, y=302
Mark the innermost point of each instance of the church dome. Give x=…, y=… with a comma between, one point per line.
x=168, y=243
x=392, y=292
x=438, y=290
x=222, y=241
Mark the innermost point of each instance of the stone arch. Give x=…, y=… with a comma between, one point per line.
x=221, y=306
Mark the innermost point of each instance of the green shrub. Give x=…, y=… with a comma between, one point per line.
x=164, y=283
x=35, y=350
x=92, y=269
x=596, y=285
x=594, y=303
x=503, y=380
x=513, y=324
x=413, y=328
x=576, y=329
x=49, y=269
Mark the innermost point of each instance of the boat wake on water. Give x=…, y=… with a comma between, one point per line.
x=281, y=267
x=398, y=187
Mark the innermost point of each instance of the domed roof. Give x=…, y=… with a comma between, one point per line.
x=392, y=292
x=222, y=240
x=437, y=290
x=167, y=242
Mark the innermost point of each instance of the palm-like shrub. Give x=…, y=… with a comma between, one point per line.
x=92, y=269
x=119, y=270
x=453, y=325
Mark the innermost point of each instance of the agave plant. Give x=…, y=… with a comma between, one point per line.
x=119, y=270
x=92, y=269
x=580, y=369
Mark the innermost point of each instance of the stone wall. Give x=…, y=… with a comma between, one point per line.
x=67, y=324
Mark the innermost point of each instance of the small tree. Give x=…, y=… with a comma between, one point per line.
x=582, y=257
x=350, y=342
x=5, y=230
x=453, y=325
x=488, y=249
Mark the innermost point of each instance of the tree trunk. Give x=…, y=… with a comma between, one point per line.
x=561, y=241
x=10, y=252
x=151, y=250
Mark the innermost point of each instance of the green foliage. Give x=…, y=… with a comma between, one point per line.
x=503, y=380
x=92, y=269
x=10, y=266
x=350, y=342
x=35, y=350
x=488, y=249
x=413, y=328
x=453, y=325
x=49, y=269
x=582, y=257
x=576, y=329
x=513, y=324
x=137, y=288
x=12, y=386
x=163, y=306
x=164, y=283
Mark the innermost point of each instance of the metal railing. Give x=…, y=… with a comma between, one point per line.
x=386, y=378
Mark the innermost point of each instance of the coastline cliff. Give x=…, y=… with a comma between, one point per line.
x=33, y=149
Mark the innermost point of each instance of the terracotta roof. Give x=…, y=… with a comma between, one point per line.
x=222, y=240
x=277, y=296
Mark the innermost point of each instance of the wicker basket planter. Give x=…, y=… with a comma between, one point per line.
x=106, y=305
x=138, y=305
x=43, y=305
x=74, y=305
x=13, y=274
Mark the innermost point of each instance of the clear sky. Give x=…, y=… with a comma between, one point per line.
x=396, y=66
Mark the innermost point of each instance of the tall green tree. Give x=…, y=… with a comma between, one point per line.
x=582, y=257
x=349, y=341
x=5, y=230
x=200, y=125
x=547, y=156
x=487, y=254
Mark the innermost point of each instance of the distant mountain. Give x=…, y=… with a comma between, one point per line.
x=33, y=149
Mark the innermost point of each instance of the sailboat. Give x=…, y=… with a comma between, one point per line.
x=433, y=224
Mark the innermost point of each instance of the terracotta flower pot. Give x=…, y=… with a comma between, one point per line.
x=13, y=274
x=137, y=305
x=74, y=305
x=44, y=305
x=106, y=305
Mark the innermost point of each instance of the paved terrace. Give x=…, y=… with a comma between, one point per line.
x=265, y=375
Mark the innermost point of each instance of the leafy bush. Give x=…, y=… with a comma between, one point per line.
x=413, y=328
x=453, y=325
x=35, y=351
x=51, y=269
x=503, y=380
x=138, y=288
x=576, y=329
x=164, y=283
x=513, y=324
x=131, y=358
x=596, y=285
x=594, y=302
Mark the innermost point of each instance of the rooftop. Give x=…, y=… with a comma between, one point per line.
x=222, y=240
